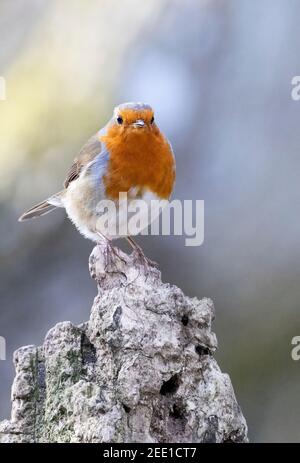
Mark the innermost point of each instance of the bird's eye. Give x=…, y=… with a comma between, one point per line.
x=152, y=119
x=120, y=120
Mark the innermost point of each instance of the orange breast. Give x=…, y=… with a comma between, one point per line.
x=138, y=158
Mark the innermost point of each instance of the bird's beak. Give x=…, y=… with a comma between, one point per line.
x=139, y=123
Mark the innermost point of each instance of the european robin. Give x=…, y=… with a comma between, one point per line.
x=129, y=155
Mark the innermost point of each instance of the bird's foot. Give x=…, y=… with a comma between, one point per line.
x=144, y=261
x=111, y=256
x=139, y=256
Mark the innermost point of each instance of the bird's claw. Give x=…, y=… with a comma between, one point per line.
x=144, y=261
x=111, y=255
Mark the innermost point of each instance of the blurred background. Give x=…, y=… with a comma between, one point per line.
x=218, y=73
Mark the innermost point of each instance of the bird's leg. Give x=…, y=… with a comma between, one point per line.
x=140, y=253
x=109, y=251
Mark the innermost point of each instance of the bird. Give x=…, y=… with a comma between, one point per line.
x=129, y=155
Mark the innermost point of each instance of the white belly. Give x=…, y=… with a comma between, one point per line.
x=93, y=216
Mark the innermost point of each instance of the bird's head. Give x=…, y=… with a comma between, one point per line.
x=134, y=119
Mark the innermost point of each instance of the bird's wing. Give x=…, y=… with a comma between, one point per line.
x=93, y=158
x=87, y=154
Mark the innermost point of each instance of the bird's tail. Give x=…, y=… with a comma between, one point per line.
x=43, y=208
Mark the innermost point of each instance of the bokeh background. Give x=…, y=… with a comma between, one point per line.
x=218, y=73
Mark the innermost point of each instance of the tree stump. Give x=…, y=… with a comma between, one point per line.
x=141, y=369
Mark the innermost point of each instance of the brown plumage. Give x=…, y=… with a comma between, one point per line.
x=87, y=153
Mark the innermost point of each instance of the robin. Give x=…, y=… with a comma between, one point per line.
x=129, y=155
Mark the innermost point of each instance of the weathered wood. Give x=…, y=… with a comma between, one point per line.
x=140, y=370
